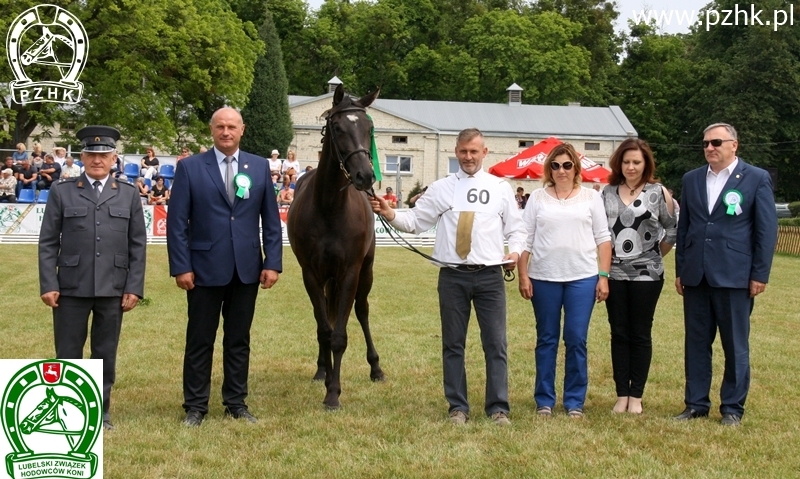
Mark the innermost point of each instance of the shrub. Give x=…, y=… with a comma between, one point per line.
x=789, y=221
x=794, y=207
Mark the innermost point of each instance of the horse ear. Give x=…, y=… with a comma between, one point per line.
x=367, y=100
x=338, y=95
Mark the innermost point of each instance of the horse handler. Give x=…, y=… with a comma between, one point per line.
x=477, y=212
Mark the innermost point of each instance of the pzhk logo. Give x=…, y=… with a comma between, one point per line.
x=52, y=414
x=55, y=47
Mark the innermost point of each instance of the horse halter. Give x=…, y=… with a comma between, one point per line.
x=329, y=128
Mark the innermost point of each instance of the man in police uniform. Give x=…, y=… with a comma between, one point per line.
x=92, y=255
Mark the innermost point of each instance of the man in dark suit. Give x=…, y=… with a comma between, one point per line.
x=727, y=232
x=92, y=256
x=214, y=251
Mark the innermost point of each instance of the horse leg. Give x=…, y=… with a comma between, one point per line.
x=362, y=314
x=340, y=303
x=316, y=294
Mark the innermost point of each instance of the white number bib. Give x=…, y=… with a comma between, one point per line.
x=481, y=195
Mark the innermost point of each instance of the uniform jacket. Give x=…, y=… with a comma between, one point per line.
x=729, y=250
x=90, y=247
x=208, y=235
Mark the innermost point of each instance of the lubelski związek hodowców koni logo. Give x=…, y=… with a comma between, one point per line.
x=52, y=415
x=47, y=48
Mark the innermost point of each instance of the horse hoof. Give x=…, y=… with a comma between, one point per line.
x=320, y=375
x=332, y=406
x=379, y=378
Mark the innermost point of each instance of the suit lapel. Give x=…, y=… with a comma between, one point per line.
x=244, y=167
x=212, y=167
x=732, y=183
x=109, y=191
x=702, y=190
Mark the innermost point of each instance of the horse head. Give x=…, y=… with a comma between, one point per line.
x=349, y=130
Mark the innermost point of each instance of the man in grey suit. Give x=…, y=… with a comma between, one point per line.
x=92, y=256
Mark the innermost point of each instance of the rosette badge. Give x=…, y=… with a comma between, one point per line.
x=47, y=48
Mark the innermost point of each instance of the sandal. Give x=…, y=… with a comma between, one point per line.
x=575, y=413
x=544, y=411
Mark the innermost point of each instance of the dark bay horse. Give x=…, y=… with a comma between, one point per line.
x=331, y=230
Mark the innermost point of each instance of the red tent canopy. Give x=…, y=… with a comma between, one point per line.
x=529, y=164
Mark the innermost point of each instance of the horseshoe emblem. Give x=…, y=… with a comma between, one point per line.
x=59, y=31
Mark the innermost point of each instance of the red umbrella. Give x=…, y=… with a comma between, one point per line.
x=529, y=163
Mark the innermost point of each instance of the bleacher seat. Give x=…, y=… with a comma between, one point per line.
x=167, y=171
x=131, y=170
x=27, y=195
x=43, y=195
x=148, y=182
x=78, y=162
x=167, y=184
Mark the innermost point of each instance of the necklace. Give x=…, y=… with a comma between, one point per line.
x=562, y=200
x=632, y=190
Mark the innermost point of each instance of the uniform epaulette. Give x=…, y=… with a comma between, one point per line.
x=65, y=180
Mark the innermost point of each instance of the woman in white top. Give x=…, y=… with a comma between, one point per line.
x=290, y=162
x=567, y=227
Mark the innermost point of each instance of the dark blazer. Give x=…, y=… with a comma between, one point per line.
x=729, y=250
x=208, y=235
x=90, y=247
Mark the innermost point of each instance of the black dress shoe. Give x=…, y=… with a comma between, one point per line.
x=689, y=413
x=193, y=419
x=730, y=419
x=240, y=413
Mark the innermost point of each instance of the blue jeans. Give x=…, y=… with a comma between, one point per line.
x=577, y=299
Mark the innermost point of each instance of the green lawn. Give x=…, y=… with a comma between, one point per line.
x=398, y=428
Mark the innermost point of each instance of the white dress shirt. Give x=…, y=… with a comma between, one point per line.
x=435, y=207
x=223, y=167
x=715, y=182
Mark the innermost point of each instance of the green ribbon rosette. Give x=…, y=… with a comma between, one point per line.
x=243, y=184
x=733, y=200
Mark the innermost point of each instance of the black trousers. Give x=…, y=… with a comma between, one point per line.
x=631, y=306
x=237, y=302
x=71, y=324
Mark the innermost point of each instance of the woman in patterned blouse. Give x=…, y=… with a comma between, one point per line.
x=641, y=218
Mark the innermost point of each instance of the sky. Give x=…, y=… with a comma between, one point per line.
x=627, y=7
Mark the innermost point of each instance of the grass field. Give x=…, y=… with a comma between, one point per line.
x=398, y=428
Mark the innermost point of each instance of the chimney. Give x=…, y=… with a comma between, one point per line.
x=333, y=83
x=514, y=95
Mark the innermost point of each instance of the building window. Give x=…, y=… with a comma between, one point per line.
x=591, y=146
x=395, y=164
x=400, y=139
x=452, y=166
x=526, y=143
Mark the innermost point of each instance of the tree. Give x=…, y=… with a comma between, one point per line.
x=266, y=115
x=156, y=70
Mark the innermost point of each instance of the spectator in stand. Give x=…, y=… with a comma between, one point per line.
x=286, y=194
x=275, y=163
x=37, y=162
x=49, y=173
x=149, y=164
x=144, y=190
x=290, y=162
x=20, y=154
x=185, y=153
x=520, y=198
x=26, y=176
x=390, y=197
x=276, y=178
x=308, y=168
x=159, y=194
x=202, y=149
x=9, y=163
x=70, y=169
x=8, y=187
x=60, y=155
x=37, y=150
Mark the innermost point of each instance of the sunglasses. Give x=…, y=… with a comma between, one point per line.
x=715, y=142
x=567, y=165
